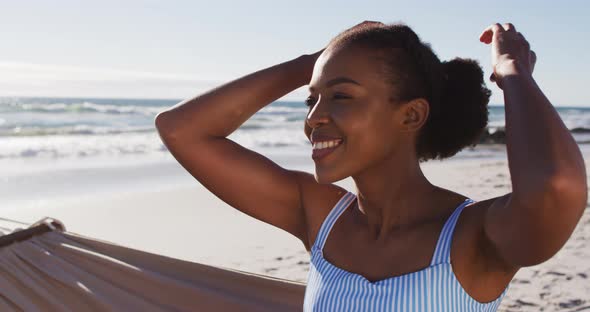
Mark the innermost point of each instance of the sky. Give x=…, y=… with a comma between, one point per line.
x=178, y=49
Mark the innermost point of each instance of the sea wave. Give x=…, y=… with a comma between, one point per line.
x=580, y=130
x=74, y=127
x=284, y=109
x=83, y=107
x=75, y=130
x=118, y=108
x=140, y=143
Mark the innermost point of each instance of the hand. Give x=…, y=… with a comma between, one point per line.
x=511, y=53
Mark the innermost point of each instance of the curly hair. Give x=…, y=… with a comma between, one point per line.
x=455, y=89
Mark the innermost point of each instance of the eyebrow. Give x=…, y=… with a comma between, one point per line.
x=336, y=81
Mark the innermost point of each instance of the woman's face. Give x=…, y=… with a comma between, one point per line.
x=349, y=99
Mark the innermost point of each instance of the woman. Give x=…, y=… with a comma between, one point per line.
x=380, y=103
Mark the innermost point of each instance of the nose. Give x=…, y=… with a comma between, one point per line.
x=318, y=115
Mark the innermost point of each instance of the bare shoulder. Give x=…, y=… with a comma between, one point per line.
x=470, y=228
x=317, y=200
x=479, y=269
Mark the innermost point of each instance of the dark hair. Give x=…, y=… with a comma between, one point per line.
x=455, y=89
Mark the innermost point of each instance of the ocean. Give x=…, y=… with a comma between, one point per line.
x=89, y=128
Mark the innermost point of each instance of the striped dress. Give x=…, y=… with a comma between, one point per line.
x=435, y=288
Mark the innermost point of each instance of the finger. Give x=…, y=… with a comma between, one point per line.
x=488, y=33
x=365, y=23
x=533, y=60
x=509, y=27
x=372, y=22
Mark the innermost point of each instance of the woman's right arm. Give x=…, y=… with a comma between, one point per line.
x=195, y=132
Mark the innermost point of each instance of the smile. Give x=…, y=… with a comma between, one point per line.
x=326, y=144
x=324, y=148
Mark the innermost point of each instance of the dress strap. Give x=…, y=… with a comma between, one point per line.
x=336, y=211
x=442, y=252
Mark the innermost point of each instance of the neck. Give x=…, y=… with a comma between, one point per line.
x=392, y=196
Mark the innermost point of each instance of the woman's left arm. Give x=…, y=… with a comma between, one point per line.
x=549, y=191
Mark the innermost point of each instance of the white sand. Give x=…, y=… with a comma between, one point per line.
x=160, y=208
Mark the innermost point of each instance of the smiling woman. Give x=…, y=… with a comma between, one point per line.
x=407, y=70
x=380, y=103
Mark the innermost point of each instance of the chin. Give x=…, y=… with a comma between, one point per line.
x=323, y=177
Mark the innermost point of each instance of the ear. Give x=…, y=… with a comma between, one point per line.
x=415, y=114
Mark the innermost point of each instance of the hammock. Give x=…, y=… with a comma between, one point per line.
x=45, y=268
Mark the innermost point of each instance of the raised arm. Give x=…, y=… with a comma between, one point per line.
x=531, y=224
x=195, y=132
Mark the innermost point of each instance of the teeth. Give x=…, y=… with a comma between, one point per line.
x=327, y=144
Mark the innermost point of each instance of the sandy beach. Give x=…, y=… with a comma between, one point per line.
x=82, y=84
x=158, y=207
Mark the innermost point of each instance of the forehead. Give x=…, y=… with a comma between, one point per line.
x=358, y=63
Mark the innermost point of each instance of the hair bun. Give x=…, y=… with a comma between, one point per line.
x=463, y=116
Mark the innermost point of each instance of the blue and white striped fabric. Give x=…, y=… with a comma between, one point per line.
x=433, y=289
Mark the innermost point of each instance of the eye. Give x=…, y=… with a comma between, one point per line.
x=340, y=96
x=310, y=101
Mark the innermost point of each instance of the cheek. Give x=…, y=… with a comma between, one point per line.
x=372, y=134
x=361, y=122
